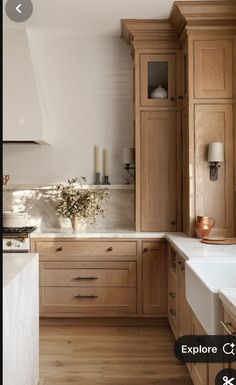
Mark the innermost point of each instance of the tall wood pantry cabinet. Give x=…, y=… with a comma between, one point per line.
x=192, y=55
x=157, y=124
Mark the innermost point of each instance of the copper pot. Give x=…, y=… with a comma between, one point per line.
x=203, y=226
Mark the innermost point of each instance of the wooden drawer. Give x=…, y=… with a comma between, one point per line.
x=87, y=300
x=122, y=274
x=59, y=250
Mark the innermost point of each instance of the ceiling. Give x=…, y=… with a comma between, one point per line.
x=91, y=17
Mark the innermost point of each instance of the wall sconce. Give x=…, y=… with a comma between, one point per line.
x=129, y=161
x=215, y=156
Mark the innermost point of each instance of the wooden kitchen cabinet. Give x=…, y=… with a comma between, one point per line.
x=159, y=171
x=154, y=278
x=172, y=289
x=155, y=51
x=107, y=277
x=213, y=69
x=87, y=277
x=215, y=123
x=229, y=326
x=179, y=312
x=157, y=70
x=183, y=308
x=198, y=371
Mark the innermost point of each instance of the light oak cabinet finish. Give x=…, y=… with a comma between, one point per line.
x=172, y=289
x=159, y=171
x=90, y=274
x=179, y=312
x=213, y=69
x=229, y=327
x=81, y=278
x=71, y=250
x=198, y=371
x=87, y=300
x=183, y=308
x=214, y=123
x=154, y=278
x=145, y=59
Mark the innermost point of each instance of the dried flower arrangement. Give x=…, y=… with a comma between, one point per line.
x=74, y=201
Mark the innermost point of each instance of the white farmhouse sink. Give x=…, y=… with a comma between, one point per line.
x=204, y=278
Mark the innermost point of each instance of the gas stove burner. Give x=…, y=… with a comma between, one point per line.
x=18, y=230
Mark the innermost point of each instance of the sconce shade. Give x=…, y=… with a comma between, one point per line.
x=216, y=152
x=128, y=156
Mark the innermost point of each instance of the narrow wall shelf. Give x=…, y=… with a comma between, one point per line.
x=53, y=187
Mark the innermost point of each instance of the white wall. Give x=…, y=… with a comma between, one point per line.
x=86, y=87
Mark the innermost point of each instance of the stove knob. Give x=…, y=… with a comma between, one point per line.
x=9, y=243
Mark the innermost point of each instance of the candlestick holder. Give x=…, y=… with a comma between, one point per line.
x=98, y=178
x=106, y=180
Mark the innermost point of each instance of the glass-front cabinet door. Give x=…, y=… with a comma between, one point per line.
x=158, y=80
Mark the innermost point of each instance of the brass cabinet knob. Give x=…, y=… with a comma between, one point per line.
x=59, y=248
x=110, y=249
x=145, y=250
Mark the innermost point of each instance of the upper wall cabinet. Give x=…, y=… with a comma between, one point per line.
x=157, y=80
x=213, y=68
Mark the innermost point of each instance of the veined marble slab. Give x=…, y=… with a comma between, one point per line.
x=20, y=319
x=228, y=297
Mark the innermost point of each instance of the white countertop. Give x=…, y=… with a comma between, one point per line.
x=191, y=248
x=96, y=233
x=187, y=247
x=14, y=263
x=228, y=297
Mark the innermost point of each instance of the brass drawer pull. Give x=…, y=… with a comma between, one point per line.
x=228, y=327
x=110, y=249
x=88, y=278
x=86, y=296
x=59, y=248
x=172, y=312
x=172, y=294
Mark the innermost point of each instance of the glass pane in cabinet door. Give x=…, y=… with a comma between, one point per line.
x=158, y=80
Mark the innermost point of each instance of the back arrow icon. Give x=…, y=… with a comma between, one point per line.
x=18, y=8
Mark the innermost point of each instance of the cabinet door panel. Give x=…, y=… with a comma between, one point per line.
x=159, y=171
x=214, y=123
x=154, y=278
x=157, y=70
x=199, y=372
x=213, y=69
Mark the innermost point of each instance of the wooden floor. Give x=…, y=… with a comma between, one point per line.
x=112, y=355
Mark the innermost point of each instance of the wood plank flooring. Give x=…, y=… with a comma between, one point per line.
x=112, y=355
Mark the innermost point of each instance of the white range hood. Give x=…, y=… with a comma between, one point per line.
x=23, y=119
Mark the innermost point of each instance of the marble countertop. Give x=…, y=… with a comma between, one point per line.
x=187, y=247
x=228, y=297
x=191, y=248
x=96, y=233
x=13, y=264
